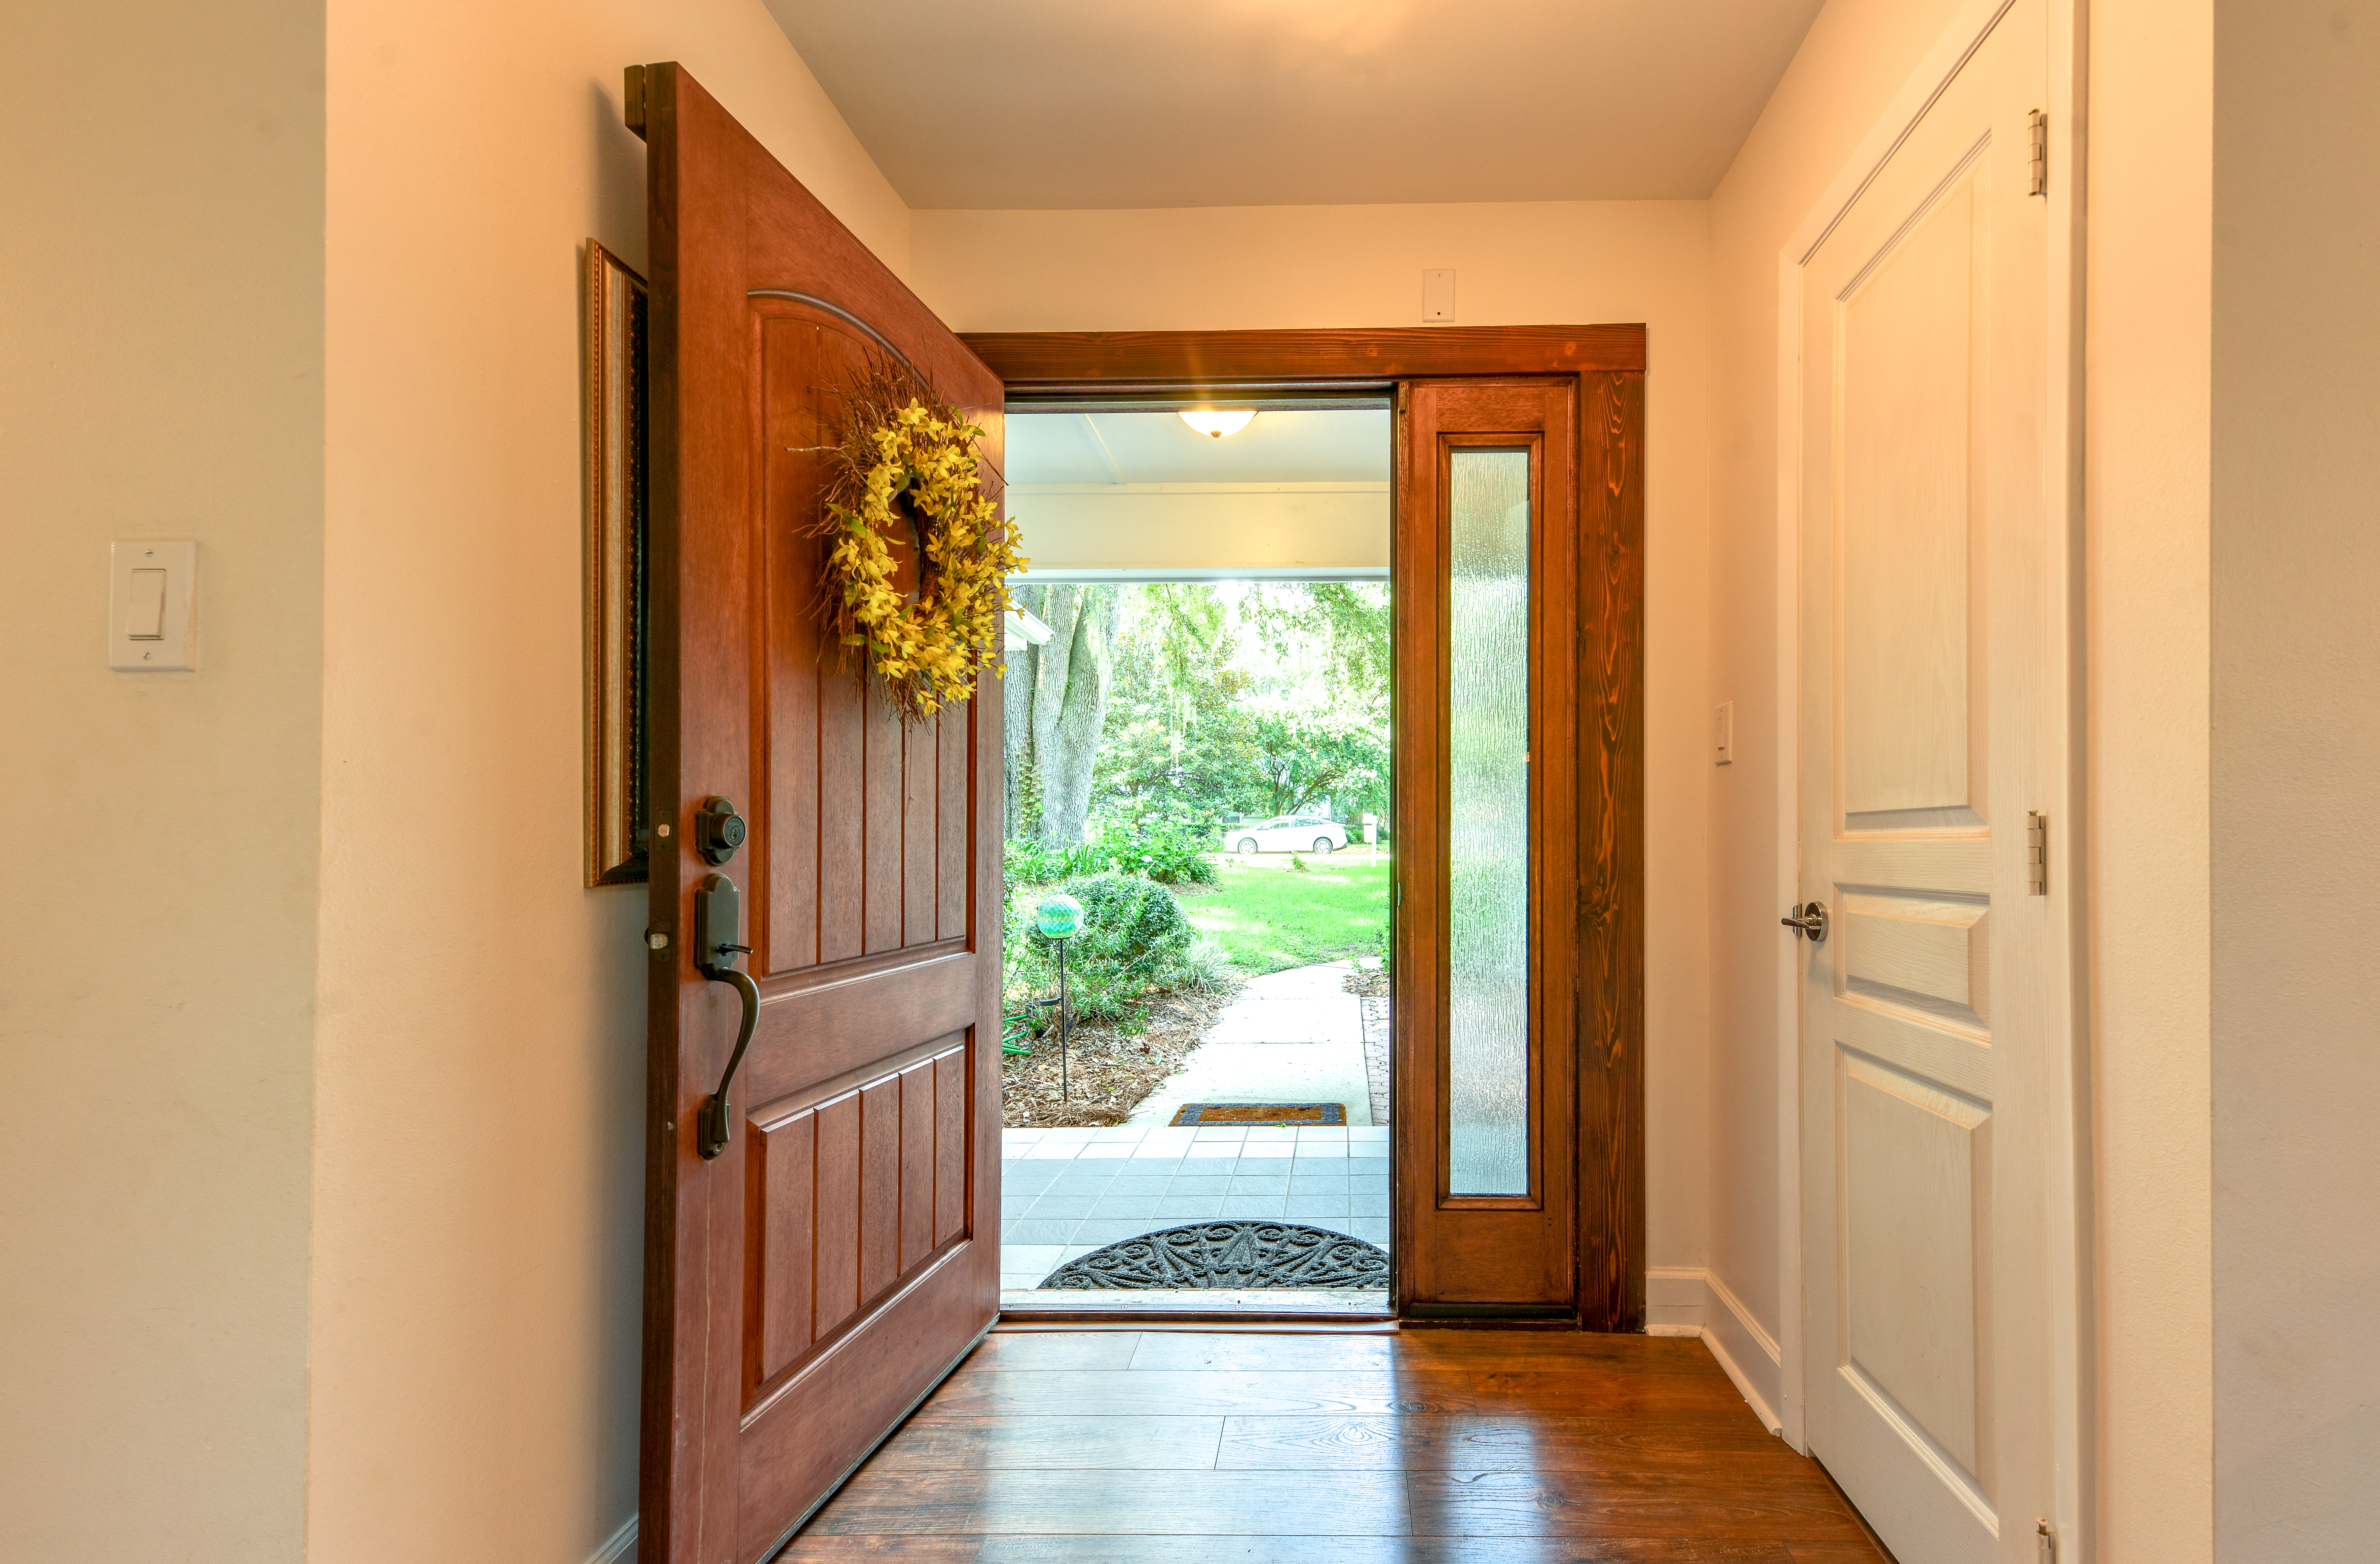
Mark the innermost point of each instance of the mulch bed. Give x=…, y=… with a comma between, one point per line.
x=1109, y=1071
x=1368, y=983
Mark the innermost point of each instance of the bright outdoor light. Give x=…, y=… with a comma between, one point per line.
x=1217, y=422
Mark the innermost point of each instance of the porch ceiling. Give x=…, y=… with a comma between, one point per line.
x=1072, y=103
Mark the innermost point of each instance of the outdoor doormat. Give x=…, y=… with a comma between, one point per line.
x=1276, y=1113
x=1227, y=1254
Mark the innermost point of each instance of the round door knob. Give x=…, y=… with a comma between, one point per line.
x=718, y=830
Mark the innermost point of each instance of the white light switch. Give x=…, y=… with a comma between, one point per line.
x=152, y=588
x=1438, y=297
x=1723, y=733
x=144, y=611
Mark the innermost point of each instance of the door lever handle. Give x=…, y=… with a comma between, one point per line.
x=1808, y=922
x=719, y=914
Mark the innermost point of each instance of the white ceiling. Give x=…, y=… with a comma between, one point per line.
x=1345, y=445
x=1254, y=102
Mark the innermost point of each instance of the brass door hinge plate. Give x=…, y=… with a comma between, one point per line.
x=632, y=99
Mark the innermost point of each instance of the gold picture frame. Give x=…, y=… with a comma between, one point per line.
x=612, y=342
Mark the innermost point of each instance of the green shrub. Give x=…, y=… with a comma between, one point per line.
x=1169, y=851
x=1038, y=863
x=1135, y=940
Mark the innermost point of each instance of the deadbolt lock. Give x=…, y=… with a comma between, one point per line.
x=718, y=830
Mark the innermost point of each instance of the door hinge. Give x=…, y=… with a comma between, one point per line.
x=2045, y=1542
x=632, y=99
x=2039, y=125
x=2036, y=854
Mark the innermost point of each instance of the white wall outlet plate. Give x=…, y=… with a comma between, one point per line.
x=1438, y=297
x=151, y=589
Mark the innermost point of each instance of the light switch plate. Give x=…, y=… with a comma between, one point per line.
x=142, y=638
x=1723, y=733
x=1438, y=297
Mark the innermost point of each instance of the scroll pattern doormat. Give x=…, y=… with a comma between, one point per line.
x=1276, y=1113
x=1227, y=1254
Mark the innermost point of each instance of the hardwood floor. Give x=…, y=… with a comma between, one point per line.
x=1450, y=1446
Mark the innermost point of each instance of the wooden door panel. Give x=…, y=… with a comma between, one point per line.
x=836, y=1202
x=781, y=1269
x=815, y=1029
x=806, y=1285
x=850, y=1198
x=869, y=815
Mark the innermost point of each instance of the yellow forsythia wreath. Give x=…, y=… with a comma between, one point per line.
x=902, y=463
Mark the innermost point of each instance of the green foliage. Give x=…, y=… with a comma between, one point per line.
x=1168, y=850
x=1266, y=919
x=1332, y=755
x=1135, y=940
x=1347, y=622
x=1025, y=861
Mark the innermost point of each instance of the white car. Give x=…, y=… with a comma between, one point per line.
x=1286, y=833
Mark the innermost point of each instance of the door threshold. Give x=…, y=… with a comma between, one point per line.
x=1267, y=1305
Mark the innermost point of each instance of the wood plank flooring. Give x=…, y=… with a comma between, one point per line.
x=1448, y=1447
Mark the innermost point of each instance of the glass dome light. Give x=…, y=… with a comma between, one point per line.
x=1217, y=421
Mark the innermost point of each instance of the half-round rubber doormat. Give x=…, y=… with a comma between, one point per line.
x=1228, y=1255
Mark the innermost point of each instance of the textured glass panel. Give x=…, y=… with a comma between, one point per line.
x=1487, y=825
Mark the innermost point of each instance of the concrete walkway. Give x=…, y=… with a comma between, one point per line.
x=1291, y=1036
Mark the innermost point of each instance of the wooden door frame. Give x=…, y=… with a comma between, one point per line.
x=1607, y=365
x=2070, y=1287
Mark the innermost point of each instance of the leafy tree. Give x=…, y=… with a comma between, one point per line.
x=1308, y=759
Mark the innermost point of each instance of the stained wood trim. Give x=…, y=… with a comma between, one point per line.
x=1044, y=363
x=1610, y=874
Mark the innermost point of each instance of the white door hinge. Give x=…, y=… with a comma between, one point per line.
x=2045, y=1542
x=2040, y=128
x=2036, y=854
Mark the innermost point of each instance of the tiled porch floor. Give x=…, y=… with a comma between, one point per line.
x=1064, y=1193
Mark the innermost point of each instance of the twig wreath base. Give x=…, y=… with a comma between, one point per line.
x=903, y=462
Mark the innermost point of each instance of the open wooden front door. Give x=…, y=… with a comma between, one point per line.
x=809, y=1284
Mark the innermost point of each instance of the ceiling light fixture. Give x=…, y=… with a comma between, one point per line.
x=1217, y=422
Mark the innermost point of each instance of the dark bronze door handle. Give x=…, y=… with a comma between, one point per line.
x=719, y=921
x=1808, y=922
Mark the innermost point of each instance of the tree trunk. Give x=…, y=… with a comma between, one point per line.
x=1016, y=710
x=1070, y=703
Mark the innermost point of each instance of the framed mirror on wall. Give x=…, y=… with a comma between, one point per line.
x=613, y=414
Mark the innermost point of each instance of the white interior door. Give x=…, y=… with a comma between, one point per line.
x=1926, y=1023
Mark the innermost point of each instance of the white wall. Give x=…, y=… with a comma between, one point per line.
x=1217, y=268
x=163, y=317
x=2295, y=404
x=479, y=1153
x=1857, y=55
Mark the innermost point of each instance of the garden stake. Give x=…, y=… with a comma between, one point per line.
x=1058, y=917
x=1065, y=1023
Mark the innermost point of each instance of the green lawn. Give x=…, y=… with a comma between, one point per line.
x=1267, y=918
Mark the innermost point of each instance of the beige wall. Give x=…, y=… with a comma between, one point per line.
x=161, y=311
x=479, y=1153
x=2146, y=523
x=2296, y=718
x=1857, y=55
x=1540, y=262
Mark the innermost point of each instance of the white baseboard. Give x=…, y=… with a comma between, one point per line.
x=1690, y=1301
x=621, y=1544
